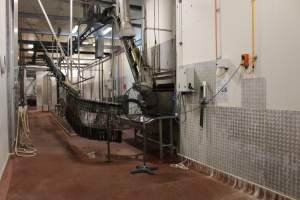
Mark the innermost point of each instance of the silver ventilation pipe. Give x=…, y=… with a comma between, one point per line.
x=126, y=30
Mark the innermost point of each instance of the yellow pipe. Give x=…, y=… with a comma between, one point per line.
x=253, y=32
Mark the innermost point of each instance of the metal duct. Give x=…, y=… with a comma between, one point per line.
x=126, y=30
x=99, y=47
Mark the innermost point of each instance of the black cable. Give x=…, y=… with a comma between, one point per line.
x=231, y=77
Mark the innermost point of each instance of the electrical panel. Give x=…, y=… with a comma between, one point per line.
x=186, y=80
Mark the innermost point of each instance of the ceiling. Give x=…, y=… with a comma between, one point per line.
x=31, y=21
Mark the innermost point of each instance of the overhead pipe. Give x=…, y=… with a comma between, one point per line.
x=113, y=60
x=52, y=30
x=51, y=27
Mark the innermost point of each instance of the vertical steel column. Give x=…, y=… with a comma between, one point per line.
x=78, y=54
x=68, y=64
x=171, y=138
x=113, y=59
x=118, y=77
x=52, y=48
x=57, y=57
x=91, y=88
x=145, y=134
x=12, y=65
x=108, y=134
x=71, y=39
x=161, y=150
x=99, y=80
x=144, y=31
x=102, y=81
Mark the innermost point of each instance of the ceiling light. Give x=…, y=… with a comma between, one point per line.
x=107, y=30
x=30, y=52
x=75, y=29
x=94, y=44
x=85, y=43
x=30, y=46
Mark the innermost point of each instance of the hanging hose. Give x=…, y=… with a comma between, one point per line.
x=23, y=149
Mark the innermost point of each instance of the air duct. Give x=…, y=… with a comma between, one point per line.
x=99, y=47
x=126, y=30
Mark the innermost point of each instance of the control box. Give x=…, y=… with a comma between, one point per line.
x=186, y=80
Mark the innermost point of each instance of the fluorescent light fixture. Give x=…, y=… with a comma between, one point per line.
x=85, y=43
x=75, y=29
x=107, y=30
x=30, y=46
x=30, y=52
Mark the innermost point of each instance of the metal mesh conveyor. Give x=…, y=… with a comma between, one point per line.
x=89, y=119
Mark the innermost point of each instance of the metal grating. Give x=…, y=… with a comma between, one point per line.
x=259, y=145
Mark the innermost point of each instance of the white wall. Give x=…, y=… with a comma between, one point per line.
x=122, y=70
x=195, y=29
x=4, y=149
x=279, y=50
x=165, y=19
x=277, y=43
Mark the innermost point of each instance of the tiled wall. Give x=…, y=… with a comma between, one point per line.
x=254, y=91
x=251, y=142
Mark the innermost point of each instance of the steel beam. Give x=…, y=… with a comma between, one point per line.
x=110, y=3
x=64, y=44
x=42, y=50
x=40, y=16
x=29, y=30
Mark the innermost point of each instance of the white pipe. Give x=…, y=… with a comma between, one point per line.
x=53, y=32
x=144, y=31
x=51, y=27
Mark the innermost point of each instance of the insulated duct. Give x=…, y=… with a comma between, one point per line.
x=126, y=30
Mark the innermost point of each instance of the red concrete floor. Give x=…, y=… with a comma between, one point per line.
x=56, y=174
